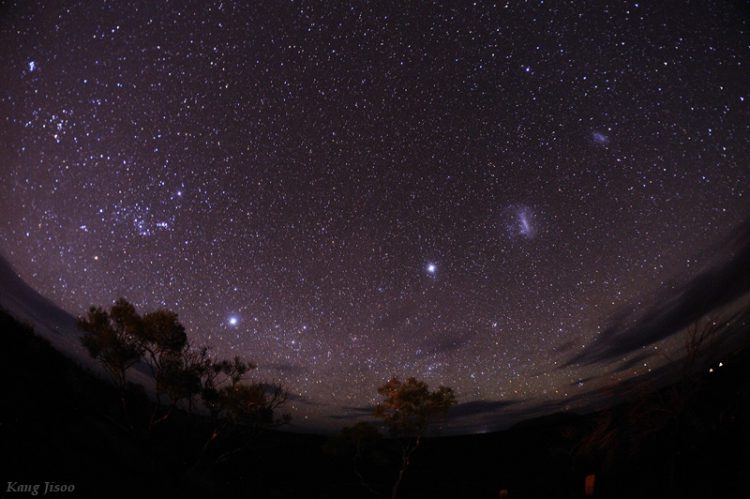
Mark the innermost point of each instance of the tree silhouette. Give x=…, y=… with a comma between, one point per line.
x=238, y=411
x=112, y=338
x=408, y=409
x=120, y=338
x=166, y=351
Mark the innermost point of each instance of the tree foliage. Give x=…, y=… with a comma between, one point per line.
x=112, y=338
x=120, y=338
x=409, y=407
x=241, y=404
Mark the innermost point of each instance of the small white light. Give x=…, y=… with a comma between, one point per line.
x=721, y=364
x=233, y=321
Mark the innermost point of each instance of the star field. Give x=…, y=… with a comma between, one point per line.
x=463, y=192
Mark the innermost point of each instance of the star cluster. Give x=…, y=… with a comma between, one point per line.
x=341, y=192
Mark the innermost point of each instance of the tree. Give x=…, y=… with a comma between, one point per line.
x=163, y=336
x=167, y=352
x=112, y=338
x=249, y=405
x=408, y=410
x=238, y=411
x=121, y=337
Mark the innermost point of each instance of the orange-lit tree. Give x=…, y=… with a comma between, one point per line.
x=408, y=409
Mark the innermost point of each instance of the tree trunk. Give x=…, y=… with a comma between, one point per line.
x=394, y=491
x=362, y=481
x=407, y=451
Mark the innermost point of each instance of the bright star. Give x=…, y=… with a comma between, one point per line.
x=431, y=268
x=233, y=320
x=32, y=66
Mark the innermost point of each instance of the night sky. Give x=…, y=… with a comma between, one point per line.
x=469, y=193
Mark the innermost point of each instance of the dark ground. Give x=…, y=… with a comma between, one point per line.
x=59, y=423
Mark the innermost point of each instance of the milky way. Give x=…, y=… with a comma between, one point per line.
x=326, y=188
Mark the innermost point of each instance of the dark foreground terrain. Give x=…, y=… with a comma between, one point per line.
x=61, y=424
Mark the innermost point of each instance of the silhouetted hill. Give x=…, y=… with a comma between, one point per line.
x=49, y=320
x=549, y=420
